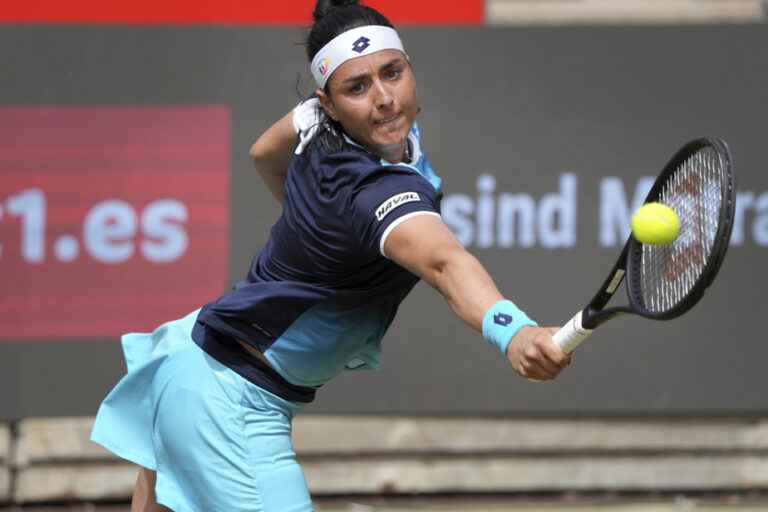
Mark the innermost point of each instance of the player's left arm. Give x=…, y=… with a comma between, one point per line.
x=443, y=263
x=272, y=153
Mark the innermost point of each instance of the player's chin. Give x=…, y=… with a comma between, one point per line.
x=391, y=136
x=392, y=130
x=389, y=143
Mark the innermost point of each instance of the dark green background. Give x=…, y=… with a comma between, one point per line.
x=524, y=104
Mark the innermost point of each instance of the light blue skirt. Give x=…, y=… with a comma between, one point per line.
x=217, y=441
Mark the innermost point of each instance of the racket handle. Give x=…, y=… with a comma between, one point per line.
x=571, y=334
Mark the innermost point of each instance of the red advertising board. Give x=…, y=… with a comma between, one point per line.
x=112, y=219
x=465, y=12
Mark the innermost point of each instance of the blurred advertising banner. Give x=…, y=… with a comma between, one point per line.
x=111, y=218
x=466, y=12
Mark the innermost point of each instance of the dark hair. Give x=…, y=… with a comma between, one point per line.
x=332, y=18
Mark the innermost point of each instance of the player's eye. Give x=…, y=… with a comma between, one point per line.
x=357, y=88
x=392, y=73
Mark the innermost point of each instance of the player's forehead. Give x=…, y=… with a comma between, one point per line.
x=366, y=65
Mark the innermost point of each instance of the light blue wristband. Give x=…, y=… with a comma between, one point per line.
x=501, y=322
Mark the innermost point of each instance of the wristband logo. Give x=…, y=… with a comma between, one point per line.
x=361, y=44
x=502, y=319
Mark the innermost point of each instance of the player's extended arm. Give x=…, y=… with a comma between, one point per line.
x=272, y=152
x=424, y=245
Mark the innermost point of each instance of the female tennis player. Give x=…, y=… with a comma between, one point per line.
x=207, y=404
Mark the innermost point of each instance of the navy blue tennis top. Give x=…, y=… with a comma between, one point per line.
x=320, y=295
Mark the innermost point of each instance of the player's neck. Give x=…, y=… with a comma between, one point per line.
x=397, y=153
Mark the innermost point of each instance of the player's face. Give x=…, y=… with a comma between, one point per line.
x=374, y=99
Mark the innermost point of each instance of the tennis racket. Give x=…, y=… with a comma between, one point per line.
x=665, y=281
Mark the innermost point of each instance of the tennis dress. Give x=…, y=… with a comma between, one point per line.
x=214, y=421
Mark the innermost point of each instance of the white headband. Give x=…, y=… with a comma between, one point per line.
x=350, y=45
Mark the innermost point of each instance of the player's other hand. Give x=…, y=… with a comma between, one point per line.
x=534, y=355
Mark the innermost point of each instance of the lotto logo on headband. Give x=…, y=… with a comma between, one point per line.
x=325, y=64
x=361, y=44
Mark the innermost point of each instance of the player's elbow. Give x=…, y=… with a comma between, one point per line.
x=264, y=150
x=266, y=162
x=257, y=152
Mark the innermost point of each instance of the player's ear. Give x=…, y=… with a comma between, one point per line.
x=327, y=104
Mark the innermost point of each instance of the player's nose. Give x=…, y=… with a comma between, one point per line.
x=383, y=97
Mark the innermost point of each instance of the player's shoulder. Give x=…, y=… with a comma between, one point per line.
x=349, y=172
x=352, y=167
x=340, y=173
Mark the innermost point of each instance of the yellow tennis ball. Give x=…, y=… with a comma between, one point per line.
x=656, y=224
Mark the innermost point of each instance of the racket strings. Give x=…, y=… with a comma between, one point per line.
x=694, y=192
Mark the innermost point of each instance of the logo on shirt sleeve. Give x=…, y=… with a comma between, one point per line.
x=395, y=201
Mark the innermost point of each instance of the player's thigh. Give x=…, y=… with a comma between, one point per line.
x=144, y=493
x=267, y=431
x=220, y=445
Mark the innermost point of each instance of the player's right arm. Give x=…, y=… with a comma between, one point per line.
x=272, y=153
x=443, y=263
x=273, y=150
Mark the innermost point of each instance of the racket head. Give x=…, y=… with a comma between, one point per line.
x=664, y=282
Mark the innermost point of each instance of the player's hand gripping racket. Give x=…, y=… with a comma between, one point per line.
x=665, y=281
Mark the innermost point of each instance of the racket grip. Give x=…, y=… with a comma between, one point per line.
x=571, y=334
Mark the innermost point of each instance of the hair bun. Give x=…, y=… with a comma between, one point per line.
x=323, y=7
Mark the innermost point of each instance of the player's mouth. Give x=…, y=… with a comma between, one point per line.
x=389, y=120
